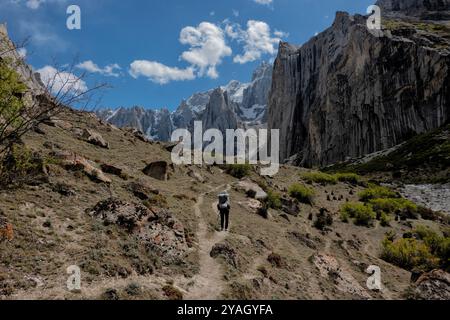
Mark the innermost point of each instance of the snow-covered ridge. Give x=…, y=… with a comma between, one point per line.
x=247, y=101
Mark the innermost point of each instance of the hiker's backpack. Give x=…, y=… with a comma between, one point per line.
x=223, y=200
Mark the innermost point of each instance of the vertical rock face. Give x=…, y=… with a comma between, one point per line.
x=411, y=7
x=220, y=112
x=347, y=93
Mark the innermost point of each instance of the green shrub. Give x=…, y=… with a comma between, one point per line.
x=385, y=220
x=319, y=177
x=239, y=171
x=393, y=205
x=423, y=249
x=273, y=200
x=11, y=103
x=352, y=178
x=408, y=254
x=376, y=192
x=362, y=215
x=302, y=193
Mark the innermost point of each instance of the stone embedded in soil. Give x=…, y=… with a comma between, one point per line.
x=158, y=170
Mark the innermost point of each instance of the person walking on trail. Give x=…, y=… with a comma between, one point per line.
x=224, y=210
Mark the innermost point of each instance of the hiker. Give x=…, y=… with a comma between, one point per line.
x=224, y=209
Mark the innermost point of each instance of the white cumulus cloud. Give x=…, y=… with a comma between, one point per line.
x=264, y=2
x=257, y=39
x=207, y=48
x=61, y=82
x=35, y=4
x=109, y=70
x=159, y=73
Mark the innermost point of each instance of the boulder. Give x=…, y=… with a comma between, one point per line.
x=72, y=161
x=110, y=169
x=249, y=187
x=95, y=138
x=290, y=206
x=142, y=190
x=158, y=170
x=434, y=285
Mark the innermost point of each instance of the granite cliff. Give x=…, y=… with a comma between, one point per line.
x=349, y=91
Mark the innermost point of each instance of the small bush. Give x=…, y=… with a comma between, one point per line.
x=394, y=206
x=172, y=293
x=319, y=177
x=385, y=220
x=273, y=200
x=133, y=289
x=352, y=178
x=302, y=193
x=239, y=171
x=408, y=254
x=376, y=192
x=362, y=215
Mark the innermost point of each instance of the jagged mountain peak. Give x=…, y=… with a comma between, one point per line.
x=234, y=104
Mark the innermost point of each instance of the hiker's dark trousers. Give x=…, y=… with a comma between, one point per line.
x=224, y=219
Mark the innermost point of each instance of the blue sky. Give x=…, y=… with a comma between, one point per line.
x=166, y=50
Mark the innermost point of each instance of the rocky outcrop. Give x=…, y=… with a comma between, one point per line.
x=434, y=285
x=425, y=9
x=347, y=92
x=159, y=231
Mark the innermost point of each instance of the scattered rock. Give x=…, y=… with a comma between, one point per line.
x=110, y=294
x=304, y=239
x=434, y=285
x=169, y=146
x=225, y=251
x=172, y=293
x=195, y=175
x=107, y=168
x=277, y=261
x=249, y=186
x=139, y=135
x=158, y=170
x=58, y=124
x=141, y=190
x=63, y=189
x=95, y=138
x=51, y=145
x=290, y=206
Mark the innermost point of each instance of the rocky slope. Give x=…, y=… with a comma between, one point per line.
x=348, y=92
x=240, y=105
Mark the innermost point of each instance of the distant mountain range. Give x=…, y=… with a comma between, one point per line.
x=236, y=105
